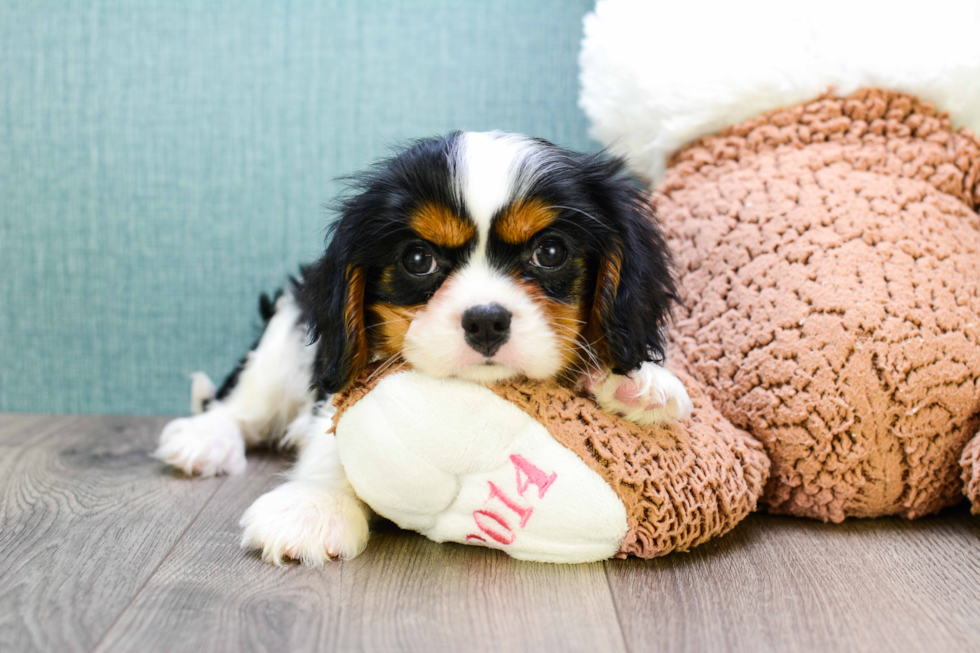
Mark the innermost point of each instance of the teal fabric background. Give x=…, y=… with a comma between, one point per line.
x=161, y=163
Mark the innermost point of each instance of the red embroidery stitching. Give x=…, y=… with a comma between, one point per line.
x=523, y=512
x=503, y=539
x=534, y=476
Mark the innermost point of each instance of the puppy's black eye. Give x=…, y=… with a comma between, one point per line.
x=419, y=261
x=549, y=254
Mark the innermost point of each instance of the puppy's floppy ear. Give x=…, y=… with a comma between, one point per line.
x=635, y=286
x=332, y=294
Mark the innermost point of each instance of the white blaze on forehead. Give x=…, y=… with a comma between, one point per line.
x=487, y=172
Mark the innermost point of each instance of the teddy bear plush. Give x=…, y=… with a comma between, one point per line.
x=819, y=185
x=831, y=261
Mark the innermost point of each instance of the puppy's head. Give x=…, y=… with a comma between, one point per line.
x=486, y=256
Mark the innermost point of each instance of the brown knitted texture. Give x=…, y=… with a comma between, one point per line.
x=971, y=472
x=681, y=485
x=830, y=260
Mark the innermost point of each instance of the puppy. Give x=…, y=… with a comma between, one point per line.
x=481, y=256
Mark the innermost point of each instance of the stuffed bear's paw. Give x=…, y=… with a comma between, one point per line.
x=649, y=395
x=208, y=444
x=301, y=521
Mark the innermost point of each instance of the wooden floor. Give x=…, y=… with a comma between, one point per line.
x=102, y=549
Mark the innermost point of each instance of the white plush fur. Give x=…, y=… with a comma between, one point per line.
x=658, y=74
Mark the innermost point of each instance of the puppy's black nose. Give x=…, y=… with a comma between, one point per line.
x=487, y=327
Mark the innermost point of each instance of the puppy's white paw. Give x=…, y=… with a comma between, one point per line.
x=649, y=395
x=301, y=521
x=208, y=444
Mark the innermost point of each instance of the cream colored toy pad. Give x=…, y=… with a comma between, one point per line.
x=455, y=462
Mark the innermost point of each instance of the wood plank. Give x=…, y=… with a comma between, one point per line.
x=99, y=547
x=17, y=430
x=782, y=584
x=12, y=420
x=406, y=593
x=86, y=516
x=403, y=593
x=209, y=595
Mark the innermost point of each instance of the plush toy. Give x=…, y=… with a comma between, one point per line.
x=820, y=196
x=540, y=471
x=825, y=231
x=830, y=297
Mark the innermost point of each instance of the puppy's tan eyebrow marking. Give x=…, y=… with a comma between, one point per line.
x=440, y=226
x=522, y=219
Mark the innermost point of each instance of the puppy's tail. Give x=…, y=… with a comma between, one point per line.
x=202, y=392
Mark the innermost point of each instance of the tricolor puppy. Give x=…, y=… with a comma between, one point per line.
x=482, y=256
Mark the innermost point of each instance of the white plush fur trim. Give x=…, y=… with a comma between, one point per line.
x=658, y=74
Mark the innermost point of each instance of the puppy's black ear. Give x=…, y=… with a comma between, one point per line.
x=635, y=286
x=332, y=295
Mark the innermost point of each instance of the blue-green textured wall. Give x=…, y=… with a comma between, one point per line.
x=161, y=163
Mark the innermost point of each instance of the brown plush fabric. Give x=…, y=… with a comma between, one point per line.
x=830, y=261
x=971, y=472
x=681, y=485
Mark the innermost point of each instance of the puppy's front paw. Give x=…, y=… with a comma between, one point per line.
x=209, y=444
x=649, y=395
x=303, y=522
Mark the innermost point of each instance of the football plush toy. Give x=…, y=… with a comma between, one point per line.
x=539, y=471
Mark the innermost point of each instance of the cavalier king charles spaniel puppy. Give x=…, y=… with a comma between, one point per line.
x=481, y=256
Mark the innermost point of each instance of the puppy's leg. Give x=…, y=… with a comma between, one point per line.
x=648, y=395
x=315, y=516
x=269, y=389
